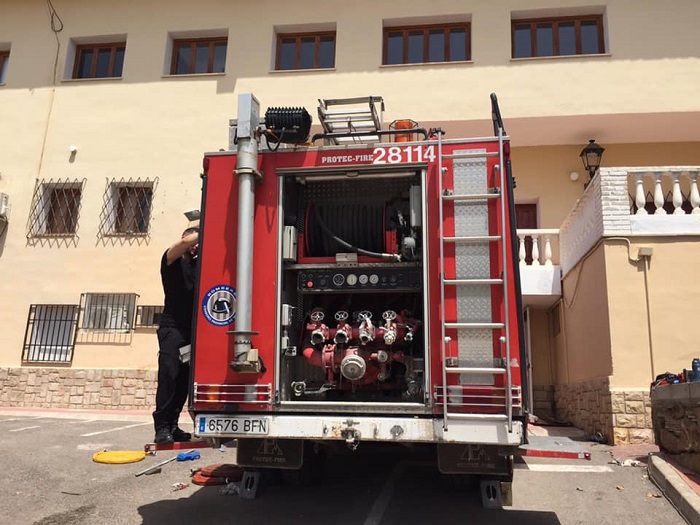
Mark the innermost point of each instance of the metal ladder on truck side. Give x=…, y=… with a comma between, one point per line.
x=464, y=287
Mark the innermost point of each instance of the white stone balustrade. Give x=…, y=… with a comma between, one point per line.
x=629, y=201
x=657, y=186
x=542, y=252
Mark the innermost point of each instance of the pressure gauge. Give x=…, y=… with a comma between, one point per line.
x=351, y=279
x=363, y=278
x=338, y=279
x=373, y=279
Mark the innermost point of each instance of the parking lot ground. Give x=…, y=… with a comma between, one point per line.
x=50, y=479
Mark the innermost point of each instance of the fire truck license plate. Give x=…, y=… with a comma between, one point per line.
x=214, y=425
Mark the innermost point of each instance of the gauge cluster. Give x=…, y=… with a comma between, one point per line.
x=359, y=279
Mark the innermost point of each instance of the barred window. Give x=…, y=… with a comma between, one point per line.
x=55, y=208
x=108, y=312
x=50, y=333
x=127, y=207
x=148, y=316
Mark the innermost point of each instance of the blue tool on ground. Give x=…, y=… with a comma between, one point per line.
x=187, y=456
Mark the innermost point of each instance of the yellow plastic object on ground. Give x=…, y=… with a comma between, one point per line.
x=118, y=456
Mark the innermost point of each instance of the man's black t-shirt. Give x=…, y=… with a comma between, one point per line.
x=178, y=285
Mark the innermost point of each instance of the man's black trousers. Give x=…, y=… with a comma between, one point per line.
x=173, y=378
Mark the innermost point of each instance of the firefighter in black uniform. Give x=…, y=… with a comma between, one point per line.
x=177, y=271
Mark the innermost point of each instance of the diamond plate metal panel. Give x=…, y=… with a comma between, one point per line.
x=475, y=346
x=475, y=350
x=474, y=303
x=472, y=261
x=471, y=218
x=469, y=174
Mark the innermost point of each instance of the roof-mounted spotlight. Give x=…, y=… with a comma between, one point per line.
x=287, y=125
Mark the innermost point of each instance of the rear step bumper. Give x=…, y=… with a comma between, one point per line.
x=357, y=428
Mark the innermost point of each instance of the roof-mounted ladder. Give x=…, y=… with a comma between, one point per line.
x=351, y=120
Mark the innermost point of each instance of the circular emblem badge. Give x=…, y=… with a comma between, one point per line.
x=219, y=305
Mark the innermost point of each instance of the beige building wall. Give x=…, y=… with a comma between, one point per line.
x=542, y=373
x=667, y=298
x=585, y=354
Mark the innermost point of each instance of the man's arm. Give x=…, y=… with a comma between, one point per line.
x=180, y=247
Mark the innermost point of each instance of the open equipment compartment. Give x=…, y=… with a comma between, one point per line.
x=352, y=291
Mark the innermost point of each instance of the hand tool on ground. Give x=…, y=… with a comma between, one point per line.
x=157, y=466
x=191, y=455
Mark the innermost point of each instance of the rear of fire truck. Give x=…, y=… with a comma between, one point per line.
x=360, y=287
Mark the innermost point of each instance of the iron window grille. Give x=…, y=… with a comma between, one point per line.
x=50, y=333
x=99, y=60
x=427, y=43
x=198, y=56
x=4, y=59
x=148, y=316
x=108, y=312
x=305, y=51
x=55, y=208
x=565, y=36
x=127, y=208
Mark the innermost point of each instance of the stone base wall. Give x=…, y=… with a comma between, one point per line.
x=620, y=416
x=71, y=388
x=543, y=401
x=676, y=416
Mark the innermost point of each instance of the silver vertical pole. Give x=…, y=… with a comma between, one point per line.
x=506, y=283
x=246, y=170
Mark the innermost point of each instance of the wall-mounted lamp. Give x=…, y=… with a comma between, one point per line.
x=192, y=215
x=591, y=156
x=573, y=176
x=73, y=149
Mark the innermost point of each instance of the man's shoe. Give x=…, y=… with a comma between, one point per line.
x=164, y=437
x=180, y=435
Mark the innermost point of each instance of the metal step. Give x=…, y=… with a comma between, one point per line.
x=356, y=122
x=492, y=326
x=460, y=282
x=349, y=111
x=473, y=370
x=471, y=197
x=473, y=238
x=483, y=417
x=470, y=155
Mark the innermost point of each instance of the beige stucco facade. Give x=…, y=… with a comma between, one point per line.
x=649, y=322
x=638, y=99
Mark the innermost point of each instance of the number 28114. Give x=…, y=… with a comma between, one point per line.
x=403, y=154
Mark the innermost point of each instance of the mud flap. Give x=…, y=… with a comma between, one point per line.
x=492, y=464
x=496, y=494
x=475, y=459
x=270, y=453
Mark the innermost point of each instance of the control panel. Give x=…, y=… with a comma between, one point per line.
x=359, y=279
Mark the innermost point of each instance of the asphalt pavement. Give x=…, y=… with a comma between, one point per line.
x=50, y=479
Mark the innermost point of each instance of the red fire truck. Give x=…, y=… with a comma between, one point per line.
x=361, y=286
